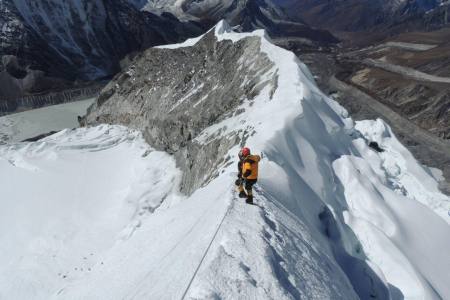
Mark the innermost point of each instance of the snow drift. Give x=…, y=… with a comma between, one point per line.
x=335, y=218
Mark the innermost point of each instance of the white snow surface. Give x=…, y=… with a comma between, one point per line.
x=94, y=213
x=83, y=191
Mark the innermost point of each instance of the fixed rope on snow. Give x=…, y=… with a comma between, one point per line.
x=206, y=251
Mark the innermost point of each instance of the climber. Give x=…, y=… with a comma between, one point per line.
x=247, y=173
x=239, y=182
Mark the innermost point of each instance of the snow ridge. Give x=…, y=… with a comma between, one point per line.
x=334, y=219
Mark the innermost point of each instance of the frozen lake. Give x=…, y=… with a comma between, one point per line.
x=20, y=126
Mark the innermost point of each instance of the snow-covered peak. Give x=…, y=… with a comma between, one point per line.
x=316, y=162
x=222, y=30
x=335, y=218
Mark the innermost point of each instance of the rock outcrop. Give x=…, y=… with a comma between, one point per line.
x=171, y=95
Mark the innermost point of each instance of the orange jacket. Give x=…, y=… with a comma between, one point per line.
x=250, y=167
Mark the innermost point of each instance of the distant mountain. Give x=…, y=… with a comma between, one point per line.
x=79, y=39
x=248, y=15
x=357, y=15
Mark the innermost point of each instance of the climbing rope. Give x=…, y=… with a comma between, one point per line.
x=207, y=250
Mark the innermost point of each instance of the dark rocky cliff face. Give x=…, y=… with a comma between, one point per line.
x=79, y=39
x=172, y=95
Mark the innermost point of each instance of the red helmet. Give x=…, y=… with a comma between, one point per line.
x=245, y=151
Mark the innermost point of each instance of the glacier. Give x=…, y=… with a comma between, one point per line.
x=97, y=213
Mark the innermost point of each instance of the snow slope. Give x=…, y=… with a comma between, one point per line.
x=83, y=191
x=335, y=219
